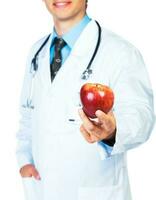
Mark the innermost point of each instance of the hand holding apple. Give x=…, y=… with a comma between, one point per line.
x=95, y=96
x=103, y=128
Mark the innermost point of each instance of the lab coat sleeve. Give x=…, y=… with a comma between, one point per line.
x=24, y=134
x=133, y=107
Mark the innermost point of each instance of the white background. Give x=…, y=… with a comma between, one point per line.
x=24, y=22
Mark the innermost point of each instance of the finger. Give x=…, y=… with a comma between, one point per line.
x=25, y=173
x=96, y=123
x=108, y=122
x=92, y=137
x=35, y=174
x=111, y=113
x=25, y=176
x=86, y=135
x=88, y=124
x=85, y=119
x=103, y=117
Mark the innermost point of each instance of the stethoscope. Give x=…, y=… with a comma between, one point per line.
x=34, y=66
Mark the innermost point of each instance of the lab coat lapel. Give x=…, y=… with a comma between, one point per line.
x=78, y=59
x=87, y=40
x=75, y=64
x=43, y=73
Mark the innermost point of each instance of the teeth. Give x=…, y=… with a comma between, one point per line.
x=61, y=4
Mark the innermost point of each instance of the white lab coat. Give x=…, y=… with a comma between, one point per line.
x=69, y=166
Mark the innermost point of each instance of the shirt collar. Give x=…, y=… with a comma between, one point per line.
x=72, y=35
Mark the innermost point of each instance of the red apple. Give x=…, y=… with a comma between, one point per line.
x=95, y=96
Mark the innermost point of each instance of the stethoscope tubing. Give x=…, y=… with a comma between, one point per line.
x=34, y=65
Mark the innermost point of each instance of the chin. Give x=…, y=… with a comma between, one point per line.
x=63, y=17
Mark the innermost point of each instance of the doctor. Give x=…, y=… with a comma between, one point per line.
x=62, y=154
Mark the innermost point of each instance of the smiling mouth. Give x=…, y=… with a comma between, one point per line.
x=61, y=4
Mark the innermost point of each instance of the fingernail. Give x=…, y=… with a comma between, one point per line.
x=38, y=177
x=98, y=112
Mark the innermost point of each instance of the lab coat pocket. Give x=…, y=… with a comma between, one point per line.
x=100, y=193
x=117, y=189
x=32, y=188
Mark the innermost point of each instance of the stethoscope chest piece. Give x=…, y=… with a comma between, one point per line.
x=86, y=74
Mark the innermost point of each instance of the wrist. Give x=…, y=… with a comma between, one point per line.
x=111, y=140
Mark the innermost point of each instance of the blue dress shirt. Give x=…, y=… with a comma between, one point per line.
x=70, y=38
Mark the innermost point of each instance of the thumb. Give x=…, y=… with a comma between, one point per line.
x=102, y=117
x=35, y=174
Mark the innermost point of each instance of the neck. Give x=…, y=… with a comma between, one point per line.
x=63, y=26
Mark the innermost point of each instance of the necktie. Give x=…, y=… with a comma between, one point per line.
x=59, y=43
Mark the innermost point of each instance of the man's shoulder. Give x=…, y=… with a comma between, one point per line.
x=34, y=48
x=36, y=45
x=116, y=41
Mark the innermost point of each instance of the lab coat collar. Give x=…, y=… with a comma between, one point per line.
x=86, y=40
x=82, y=45
x=71, y=36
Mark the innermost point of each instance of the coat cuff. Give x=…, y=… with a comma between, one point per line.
x=104, y=150
x=23, y=160
x=111, y=141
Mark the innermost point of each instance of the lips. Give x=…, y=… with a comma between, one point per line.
x=62, y=4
